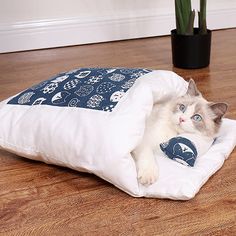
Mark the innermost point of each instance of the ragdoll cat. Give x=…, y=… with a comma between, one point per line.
x=190, y=113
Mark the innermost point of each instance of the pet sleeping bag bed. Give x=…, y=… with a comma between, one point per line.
x=90, y=120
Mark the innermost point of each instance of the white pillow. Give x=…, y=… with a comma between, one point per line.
x=91, y=119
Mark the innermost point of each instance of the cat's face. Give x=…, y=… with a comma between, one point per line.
x=193, y=114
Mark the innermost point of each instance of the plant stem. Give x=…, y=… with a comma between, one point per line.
x=202, y=18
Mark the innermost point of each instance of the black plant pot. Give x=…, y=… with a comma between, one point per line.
x=191, y=51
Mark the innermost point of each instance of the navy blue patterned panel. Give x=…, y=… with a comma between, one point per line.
x=93, y=88
x=181, y=150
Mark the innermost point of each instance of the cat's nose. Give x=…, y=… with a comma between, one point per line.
x=181, y=120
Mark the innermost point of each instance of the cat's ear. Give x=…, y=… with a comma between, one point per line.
x=219, y=110
x=192, y=89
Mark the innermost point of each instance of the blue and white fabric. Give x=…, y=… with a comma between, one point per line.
x=180, y=149
x=91, y=88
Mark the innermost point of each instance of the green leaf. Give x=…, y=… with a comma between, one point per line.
x=190, y=27
x=179, y=17
x=184, y=16
x=202, y=18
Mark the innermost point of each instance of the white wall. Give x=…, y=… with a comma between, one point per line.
x=33, y=24
x=27, y=10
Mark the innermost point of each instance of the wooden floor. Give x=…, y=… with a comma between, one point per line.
x=38, y=199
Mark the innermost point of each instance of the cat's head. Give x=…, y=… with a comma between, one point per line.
x=193, y=114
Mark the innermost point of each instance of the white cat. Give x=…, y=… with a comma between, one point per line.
x=190, y=113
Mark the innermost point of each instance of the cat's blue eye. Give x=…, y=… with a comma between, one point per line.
x=182, y=107
x=197, y=117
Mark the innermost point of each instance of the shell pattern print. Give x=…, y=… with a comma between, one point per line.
x=91, y=88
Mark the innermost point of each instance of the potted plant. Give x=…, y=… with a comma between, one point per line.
x=190, y=46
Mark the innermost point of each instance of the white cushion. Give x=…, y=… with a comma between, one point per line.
x=96, y=139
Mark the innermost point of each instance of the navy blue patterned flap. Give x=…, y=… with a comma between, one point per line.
x=93, y=88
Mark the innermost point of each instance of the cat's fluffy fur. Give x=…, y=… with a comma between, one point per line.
x=170, y=118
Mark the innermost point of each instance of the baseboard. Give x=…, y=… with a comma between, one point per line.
x=76, y=31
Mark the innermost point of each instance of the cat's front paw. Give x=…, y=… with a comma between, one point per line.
x=148, y=174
